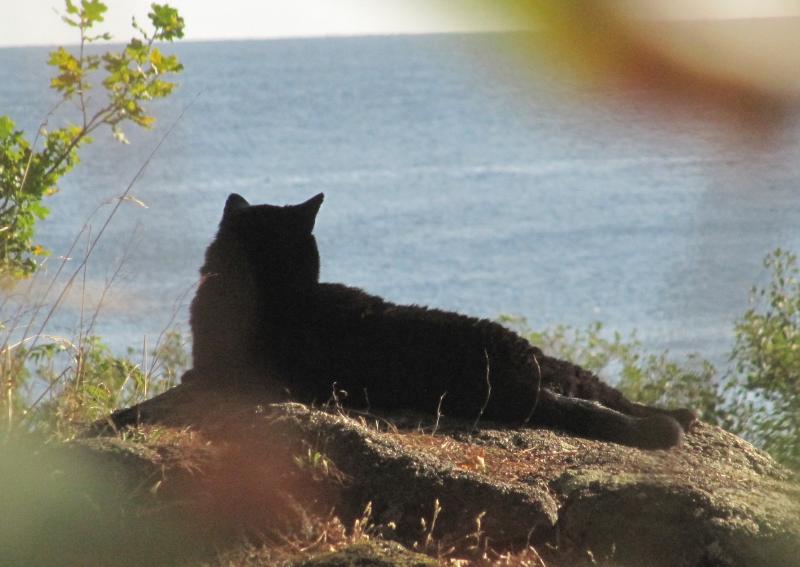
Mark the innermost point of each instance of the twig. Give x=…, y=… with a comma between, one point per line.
x=30, y=160
x=12, y=323
x=38, y=135
x=66, y=258
x=538, y=391
x=176, y=306
x=488, y=393
x=81, y=335
x=363, y=414
x=334, y=399
x=438, y=414
x=81, y=93
x=437, y=508
x=366, y=399
x=113, y=213
x=109, y=282
x=46, y=391
x=102, y=230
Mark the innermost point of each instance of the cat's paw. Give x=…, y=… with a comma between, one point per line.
x=686, y=417
x=657, y=432
x=189, y=376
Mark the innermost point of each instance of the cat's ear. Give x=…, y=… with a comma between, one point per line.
x=234, y=203
x=308, y=211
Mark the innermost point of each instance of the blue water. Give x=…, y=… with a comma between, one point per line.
x=453, y=178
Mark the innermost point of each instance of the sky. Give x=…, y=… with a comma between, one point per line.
x=35, y=22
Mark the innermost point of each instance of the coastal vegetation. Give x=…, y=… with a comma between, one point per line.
x=755, y=395
x=30, y=170
x=49, y=382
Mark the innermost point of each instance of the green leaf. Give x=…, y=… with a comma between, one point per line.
x=64, y=60
x=132, y=75
x=156, y=58
x=6, y=127
x=136, y=50
x=169, y=25
x=144, y=121
x=39, y=210
x=92, y=11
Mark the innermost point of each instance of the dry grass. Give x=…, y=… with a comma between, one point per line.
x=499, y=463
x=326, y=535
x=53, y=383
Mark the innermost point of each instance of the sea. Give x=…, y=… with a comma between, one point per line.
x=458, y=173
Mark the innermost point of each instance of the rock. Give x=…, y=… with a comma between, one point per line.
x=255, y=467
x=369, y=554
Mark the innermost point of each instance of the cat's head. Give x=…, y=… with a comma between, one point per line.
x=265, y=220
x=277, y=240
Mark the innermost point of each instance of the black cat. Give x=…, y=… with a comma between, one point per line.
x=262, y=316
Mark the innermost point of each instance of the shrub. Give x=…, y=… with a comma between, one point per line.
x=63, y=385
x=130, y=77
x=764, y=388
x=757, y=397
x=645, y=377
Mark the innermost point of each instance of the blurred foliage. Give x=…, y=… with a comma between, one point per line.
x=30, y=171
x=757, y=396
x=71, y=505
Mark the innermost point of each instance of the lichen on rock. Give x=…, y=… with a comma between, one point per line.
x=454, y=490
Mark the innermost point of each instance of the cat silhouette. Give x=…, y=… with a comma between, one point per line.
x=261, y=316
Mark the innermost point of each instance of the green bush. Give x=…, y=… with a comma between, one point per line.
x=642, y=376
x=63, y=386
x=130, y=77
x=764, y=388
x=757, y=396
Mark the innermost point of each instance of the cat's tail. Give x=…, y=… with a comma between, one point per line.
x=591, y=420
x=569, y=379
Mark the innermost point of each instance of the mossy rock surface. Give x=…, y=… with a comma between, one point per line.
x=238, y=465
x=368, y=554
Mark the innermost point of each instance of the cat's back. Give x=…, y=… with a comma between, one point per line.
x=347, y=300
x=402, y=355
x=339, y=301
x=342, y=309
